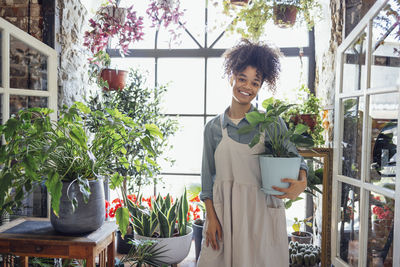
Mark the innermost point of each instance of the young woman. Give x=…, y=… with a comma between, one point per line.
x=244, y=226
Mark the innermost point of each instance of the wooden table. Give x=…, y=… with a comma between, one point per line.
x=34, y=237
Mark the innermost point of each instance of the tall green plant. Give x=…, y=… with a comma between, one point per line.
x=38, y=150
x=143, y=105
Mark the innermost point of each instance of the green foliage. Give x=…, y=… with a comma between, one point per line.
x=39, y=150
x=258, y=12
x=140, y=164
x=310, y=104
x=304, y=255
x=277, y=137
x=297, y=224
x=143, y=253
x=163, y=216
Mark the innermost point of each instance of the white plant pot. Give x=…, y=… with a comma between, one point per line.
x=176, y=248
x=273, y=170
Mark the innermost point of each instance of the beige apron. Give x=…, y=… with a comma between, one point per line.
x=253, y=224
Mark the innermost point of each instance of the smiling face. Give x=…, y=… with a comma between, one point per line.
x=246, y=85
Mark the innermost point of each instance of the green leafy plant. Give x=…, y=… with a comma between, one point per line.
x=167, y=218
x=310, y=105
x=142, y=104
x=270, y=123
x=37, y=150
x=143, y=253
x=304, y=254
x=298, y=223
x=258, y=12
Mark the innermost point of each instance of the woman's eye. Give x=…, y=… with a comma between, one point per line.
x=255, y=84
x=241, y=80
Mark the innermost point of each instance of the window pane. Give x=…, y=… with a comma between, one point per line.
x=290, y=79
x=354, y=65
x=194, y=22
x=185, y=76
x=380, y=231
x=19, y=102
x=1, y=59
x=187, y=146
x=348, y=223
x=383, y=114
x=175, y=184
x=145, y=65
x=28, y=67
x=219, y=93
x=286, y=37
x=385, y=69
x=352, y=137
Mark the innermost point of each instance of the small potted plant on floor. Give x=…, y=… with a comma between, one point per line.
x=302, y=237
x=304, y=254
x=280, y=159
x=166, y=222
x=196, y=206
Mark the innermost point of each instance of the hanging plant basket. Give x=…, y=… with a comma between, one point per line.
x=239, y=2
x=285, y=15
x=116, y=79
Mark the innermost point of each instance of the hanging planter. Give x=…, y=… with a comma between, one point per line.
x=285, y=15
x=116, y=79
x=239, y=2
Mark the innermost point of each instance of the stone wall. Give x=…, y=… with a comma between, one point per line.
x=328, y=37
x=72, y=74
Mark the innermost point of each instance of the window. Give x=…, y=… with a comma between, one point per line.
x=365, y=183
x=197, y=89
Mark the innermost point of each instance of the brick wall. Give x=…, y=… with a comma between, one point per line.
x=24, y=14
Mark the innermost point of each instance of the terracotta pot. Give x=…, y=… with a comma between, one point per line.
x=115, y=78
x=307, y=119
x=285, y=15
x=239, y=2
x=304, y=238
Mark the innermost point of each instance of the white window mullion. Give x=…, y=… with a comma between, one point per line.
x=396, y=234
x=28, y=92
x=5, y=73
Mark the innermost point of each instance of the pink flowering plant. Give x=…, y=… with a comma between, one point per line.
x=109, y=22
x=166, y=13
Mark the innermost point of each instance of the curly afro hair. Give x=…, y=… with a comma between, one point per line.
x=260, y=56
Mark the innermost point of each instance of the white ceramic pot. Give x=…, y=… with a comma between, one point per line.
x=274, y=169
x=176, y=248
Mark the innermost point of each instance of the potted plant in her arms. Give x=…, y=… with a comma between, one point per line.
x=110, y=22
x=61, y=154
x=302, y=237
x=280, y=159
x=166, y=222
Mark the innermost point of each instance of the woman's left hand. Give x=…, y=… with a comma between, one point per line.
x=295, y=188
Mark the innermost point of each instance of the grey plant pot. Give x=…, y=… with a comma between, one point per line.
x=87, y=217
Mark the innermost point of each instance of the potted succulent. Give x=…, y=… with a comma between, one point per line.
x=258, y=12
x=166, y=222
x=280, y=159
x=111, y=22
x=302, y=237
x=304, y=254
x=69, y=161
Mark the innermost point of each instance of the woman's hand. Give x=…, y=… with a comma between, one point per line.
x=214, y=229
x=295, y=188
x=213, y=233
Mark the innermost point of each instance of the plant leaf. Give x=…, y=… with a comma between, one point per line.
x=122, y=216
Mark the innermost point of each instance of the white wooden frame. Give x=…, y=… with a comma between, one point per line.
x=365, y=24
x=7, y=29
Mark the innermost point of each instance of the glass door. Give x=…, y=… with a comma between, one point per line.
x=365, y=217
x=28, y=79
